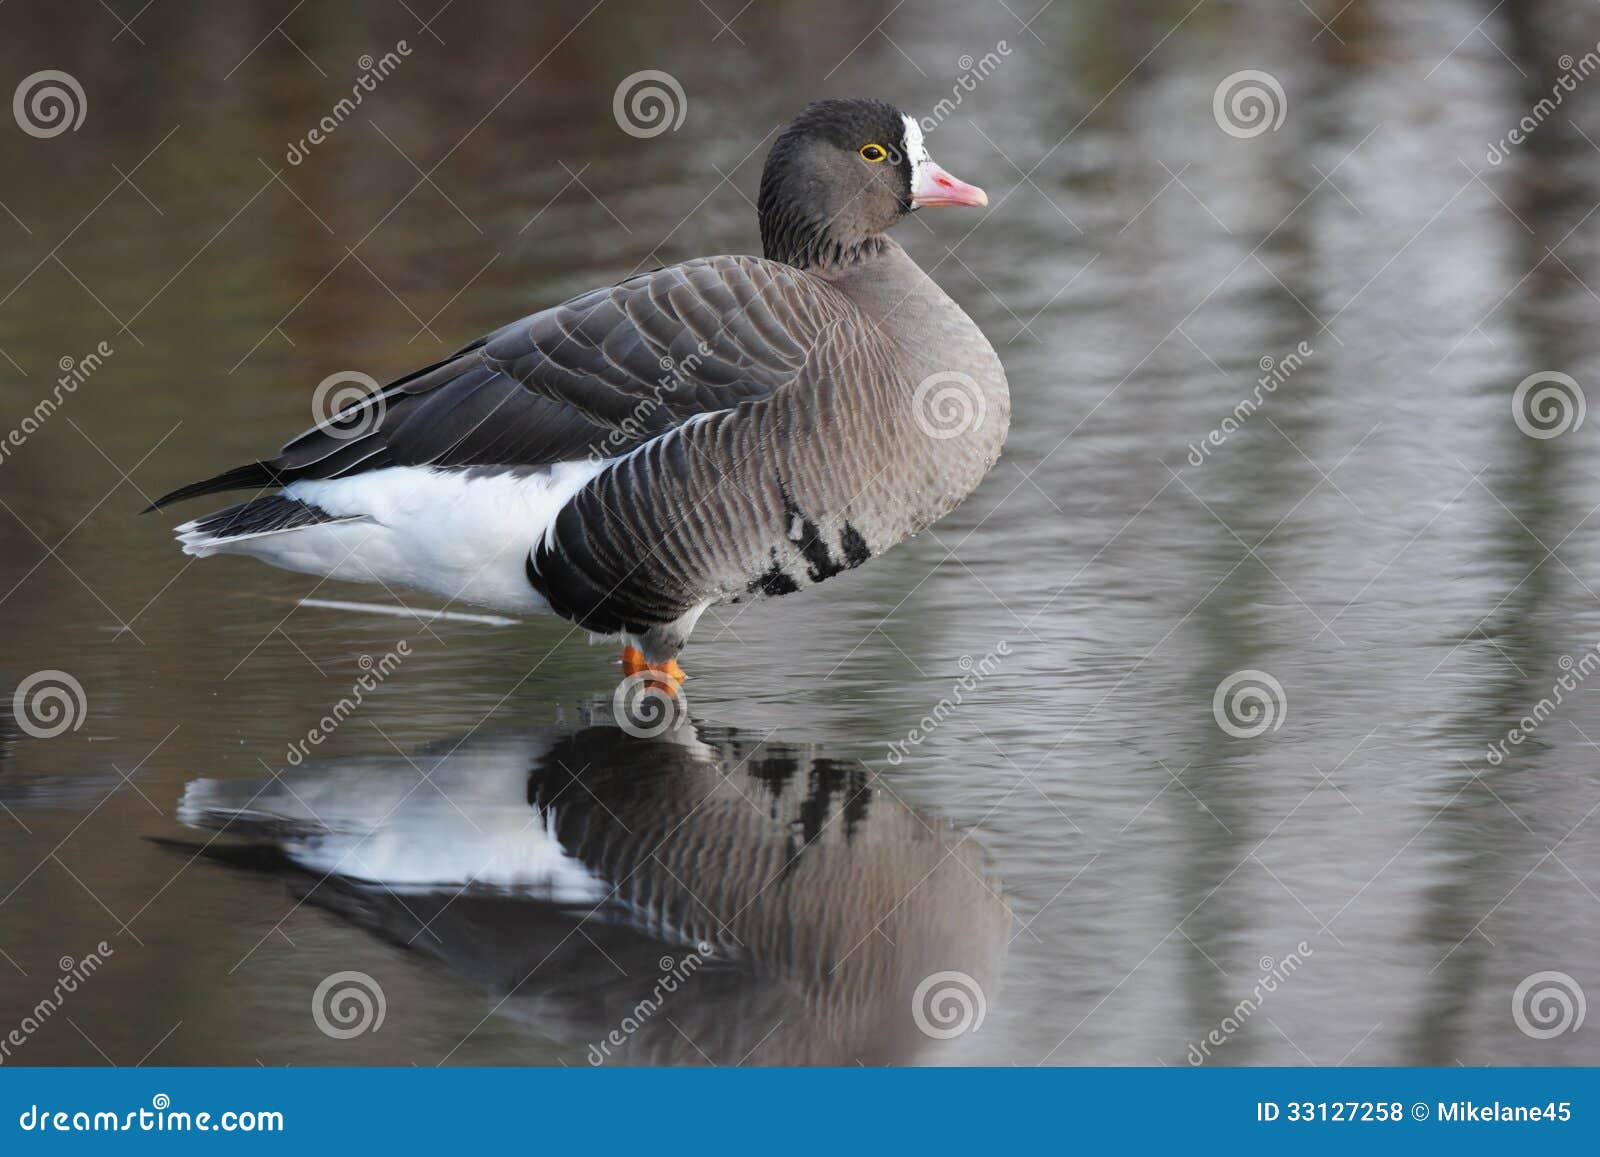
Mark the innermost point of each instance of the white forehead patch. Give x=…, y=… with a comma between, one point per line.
x=916, y=151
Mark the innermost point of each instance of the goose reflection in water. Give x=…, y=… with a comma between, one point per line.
x=699, y=897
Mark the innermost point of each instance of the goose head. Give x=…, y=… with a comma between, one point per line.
x=840, y=175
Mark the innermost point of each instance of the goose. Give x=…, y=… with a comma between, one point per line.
x=826, y=919
x=722, y=429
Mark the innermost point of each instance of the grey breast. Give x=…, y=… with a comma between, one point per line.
x=898, y=410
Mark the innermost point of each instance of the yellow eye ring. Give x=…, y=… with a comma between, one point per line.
x=874, y=153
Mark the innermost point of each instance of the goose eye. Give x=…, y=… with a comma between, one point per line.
x=874, y=153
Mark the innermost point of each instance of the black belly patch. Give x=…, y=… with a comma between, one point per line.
x=821, y=563
x=855, y=547
x=774, y=580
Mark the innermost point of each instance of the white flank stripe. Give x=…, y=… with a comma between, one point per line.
x=409, y=612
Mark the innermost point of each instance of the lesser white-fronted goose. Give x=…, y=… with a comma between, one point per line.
x=561, y=867
x=725, y=428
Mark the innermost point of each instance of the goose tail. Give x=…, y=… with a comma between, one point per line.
x=254, y=519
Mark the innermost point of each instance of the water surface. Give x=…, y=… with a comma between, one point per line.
x=1115, y=873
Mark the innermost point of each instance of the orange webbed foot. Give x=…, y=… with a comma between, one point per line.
x=666, y=676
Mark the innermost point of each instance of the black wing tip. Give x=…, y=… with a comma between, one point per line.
x=252, y=475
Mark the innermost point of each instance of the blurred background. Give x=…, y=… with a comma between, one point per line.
x=1296, y=525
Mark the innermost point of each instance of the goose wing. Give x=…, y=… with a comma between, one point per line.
x=599, y=374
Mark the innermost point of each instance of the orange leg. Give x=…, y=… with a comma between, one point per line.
x=666, y=676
